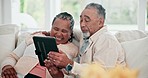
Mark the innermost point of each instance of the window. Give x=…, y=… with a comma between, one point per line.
x=73, y=7
x=121, y=14
x=147, y=16
x=32, y=13
x=0, y=12
x=39, y=12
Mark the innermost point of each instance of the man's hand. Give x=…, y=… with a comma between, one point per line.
x=59, y=59
x=8, y=72
x=53, y=70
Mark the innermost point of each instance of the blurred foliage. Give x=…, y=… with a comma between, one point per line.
x=121, y=11
x=35, y=8
x=118, y=12
x=73, y=7
x=147, y=12
x=22, y=6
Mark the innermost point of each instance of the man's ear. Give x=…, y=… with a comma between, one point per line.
x=101, y=21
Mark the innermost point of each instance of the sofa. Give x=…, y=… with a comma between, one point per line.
x=134, y=43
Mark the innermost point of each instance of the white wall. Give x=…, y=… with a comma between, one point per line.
x=15, y=12
x=0, y=12
x=5, y=12
x=142, y=14
x=50, y=12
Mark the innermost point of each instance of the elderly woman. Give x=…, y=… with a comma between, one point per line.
x=23, y=62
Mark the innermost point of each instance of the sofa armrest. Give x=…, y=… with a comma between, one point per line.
x=8, y=37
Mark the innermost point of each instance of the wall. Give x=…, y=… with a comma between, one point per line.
x=50, y=12
x=5, y=11
x=0, y=11
x=142, y=11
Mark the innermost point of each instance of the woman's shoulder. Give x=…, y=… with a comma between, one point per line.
x=71, y=45
x=70, y=49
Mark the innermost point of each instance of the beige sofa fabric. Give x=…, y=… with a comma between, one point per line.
x=129, y=35
x=137, y=55
x=8, y=36
x=135, y=44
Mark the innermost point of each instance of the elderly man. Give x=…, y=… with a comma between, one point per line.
x=96, y=45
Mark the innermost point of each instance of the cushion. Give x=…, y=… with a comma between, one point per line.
x=137, y=55
x=8, y=35
x=128, y=35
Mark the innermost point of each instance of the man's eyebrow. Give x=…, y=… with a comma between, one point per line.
x=87, y=16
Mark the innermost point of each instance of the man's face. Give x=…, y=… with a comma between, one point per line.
x=61, y=31
x=90, y=21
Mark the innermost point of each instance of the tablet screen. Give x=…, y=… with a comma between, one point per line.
x=43, y=46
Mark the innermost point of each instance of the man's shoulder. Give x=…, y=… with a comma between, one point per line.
x=106, y=37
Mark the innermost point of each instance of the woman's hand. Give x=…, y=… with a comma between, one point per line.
x=8, y=72
x=53, y=70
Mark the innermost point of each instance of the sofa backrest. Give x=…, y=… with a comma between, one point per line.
x=135, y=42
x=128, y=35
x=137, y=55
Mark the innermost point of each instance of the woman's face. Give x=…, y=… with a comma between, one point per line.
x=61, y=31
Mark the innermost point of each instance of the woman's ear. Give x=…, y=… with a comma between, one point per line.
x=71, y=37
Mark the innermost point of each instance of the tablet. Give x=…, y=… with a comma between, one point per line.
x=43, y=46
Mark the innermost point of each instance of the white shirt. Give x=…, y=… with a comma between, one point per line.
x=103, y=48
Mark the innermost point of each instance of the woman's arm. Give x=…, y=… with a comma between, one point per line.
x=10, y=61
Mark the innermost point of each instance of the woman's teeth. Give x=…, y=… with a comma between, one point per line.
x=58, y=38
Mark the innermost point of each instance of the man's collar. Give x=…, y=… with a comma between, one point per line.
x=99, y=32
x=86, y=38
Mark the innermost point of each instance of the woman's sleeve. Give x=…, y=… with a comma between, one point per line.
x=14, y=56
